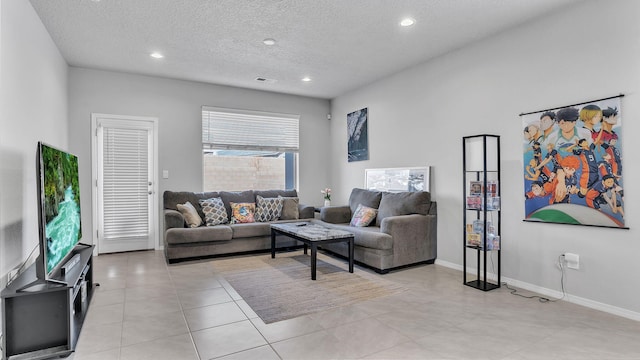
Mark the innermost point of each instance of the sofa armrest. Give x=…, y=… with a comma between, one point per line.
x=414, y=237
x=173, y=219
x=305, y=211
x=335, y=214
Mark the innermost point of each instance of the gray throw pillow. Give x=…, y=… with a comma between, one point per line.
x=214, y=211
x=268, y=209
x=403, y=203
x=290, y=208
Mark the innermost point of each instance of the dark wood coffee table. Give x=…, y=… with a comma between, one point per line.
x=311, y=235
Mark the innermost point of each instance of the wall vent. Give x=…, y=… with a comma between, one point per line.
x=265, y=80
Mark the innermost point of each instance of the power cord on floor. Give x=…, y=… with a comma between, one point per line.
x=543, y=299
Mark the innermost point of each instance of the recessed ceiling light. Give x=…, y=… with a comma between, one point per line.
x=407, y=22
x=156, y=55
x=269, y=41
x=306, y=79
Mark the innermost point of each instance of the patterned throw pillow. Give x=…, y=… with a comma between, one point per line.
x=363, y=216
x=214, y=211
x=268, y=209
x=190, y=214
x=242, y=212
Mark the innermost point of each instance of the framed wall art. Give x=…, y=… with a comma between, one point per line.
x=358, y=143
x=398, y=179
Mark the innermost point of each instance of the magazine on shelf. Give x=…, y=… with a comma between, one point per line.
x=474, y=239
x=493, y=203
x=492, y=188
x=475, y=188
x=474, y=202
x=478, y=226
x=495, y=243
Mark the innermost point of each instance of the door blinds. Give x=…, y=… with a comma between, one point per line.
x=125, y=183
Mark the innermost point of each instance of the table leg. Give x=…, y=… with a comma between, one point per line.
x=273, y=243
x=305, y=249
x=314, y=257
x=351, y=255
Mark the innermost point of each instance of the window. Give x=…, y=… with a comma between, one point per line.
x=248, y=149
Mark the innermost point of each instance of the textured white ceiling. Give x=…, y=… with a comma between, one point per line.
x=340, y=44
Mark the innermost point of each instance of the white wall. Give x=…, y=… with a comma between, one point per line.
x=419, y=116
x=178, y=104
x=33, y=107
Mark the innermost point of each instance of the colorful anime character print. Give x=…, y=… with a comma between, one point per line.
x=572, y=164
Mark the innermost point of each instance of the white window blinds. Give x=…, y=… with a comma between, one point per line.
x=249, y=130
x=125, y=183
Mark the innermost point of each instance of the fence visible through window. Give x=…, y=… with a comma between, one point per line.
x=248, y=150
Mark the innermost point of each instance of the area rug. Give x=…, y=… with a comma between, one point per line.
x=281, y=288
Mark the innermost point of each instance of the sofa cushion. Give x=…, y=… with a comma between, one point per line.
x=268, y=209
x=290, y=209
x=242, y=212
x=403, y=203
x=368, y=198
x=237, y=197
x=248, y=230
x=199, y=235
x=190, y=214
x=369, y=237
x=363, y=216
x=214, y=211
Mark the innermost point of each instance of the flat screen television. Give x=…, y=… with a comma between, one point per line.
x=58, y=209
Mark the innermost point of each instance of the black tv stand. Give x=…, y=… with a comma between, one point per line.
x=39, y=285
x=43, y=319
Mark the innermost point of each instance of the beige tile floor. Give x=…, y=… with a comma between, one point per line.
x=145, y=309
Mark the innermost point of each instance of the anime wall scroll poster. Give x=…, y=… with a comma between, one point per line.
x=572, y=167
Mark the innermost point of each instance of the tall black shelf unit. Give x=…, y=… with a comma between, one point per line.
x=482, y=214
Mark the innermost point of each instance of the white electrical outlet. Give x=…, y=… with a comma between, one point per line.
x=572, y=260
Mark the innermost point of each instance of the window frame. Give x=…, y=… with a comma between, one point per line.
x=282, y=135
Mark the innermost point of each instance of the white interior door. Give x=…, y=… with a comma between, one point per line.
x=125, y=182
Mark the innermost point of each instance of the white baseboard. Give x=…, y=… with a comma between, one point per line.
x=552, y=293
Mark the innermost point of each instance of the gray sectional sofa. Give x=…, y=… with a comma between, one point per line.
x=182, y=242
x=403, y=233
